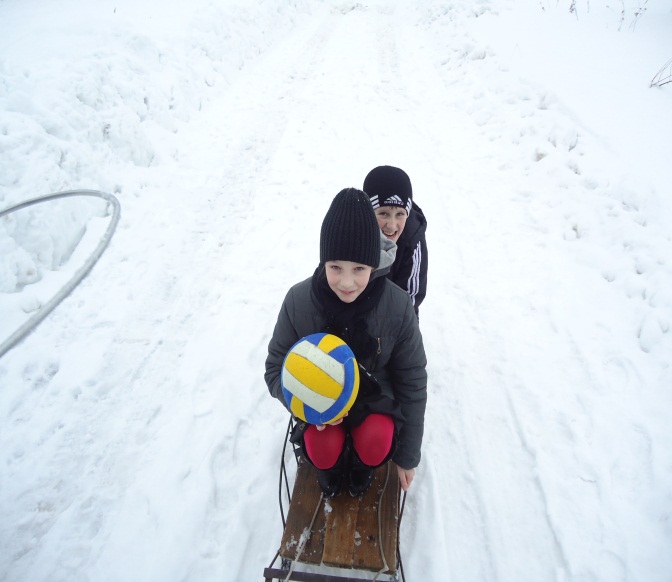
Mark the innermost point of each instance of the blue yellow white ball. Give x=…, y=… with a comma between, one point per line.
x=320, y=378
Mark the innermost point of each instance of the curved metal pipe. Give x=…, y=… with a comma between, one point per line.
x=48, y=307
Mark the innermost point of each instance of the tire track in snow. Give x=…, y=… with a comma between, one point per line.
x=560, y=556
x=476, y=218
x=566, y=485
x=448, y=498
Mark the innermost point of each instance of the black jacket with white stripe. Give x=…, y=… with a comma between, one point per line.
x=409, y=269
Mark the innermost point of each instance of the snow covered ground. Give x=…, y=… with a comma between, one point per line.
x=137, y=437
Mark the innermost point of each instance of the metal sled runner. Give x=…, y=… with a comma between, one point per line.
x=348, y=533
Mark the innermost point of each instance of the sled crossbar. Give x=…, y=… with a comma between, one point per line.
x=271, y=574
x=345, y=532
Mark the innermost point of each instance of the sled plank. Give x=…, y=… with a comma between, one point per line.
x=304, y=500
x=351, y=537
x=340, y=536
x=345, y=532
x=367, y=548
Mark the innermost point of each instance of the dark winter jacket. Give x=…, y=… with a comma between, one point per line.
x=409, y=270
x=398, y=364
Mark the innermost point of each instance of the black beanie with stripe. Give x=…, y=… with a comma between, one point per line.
x=389, y=186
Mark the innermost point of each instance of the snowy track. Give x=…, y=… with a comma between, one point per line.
x=137, y=437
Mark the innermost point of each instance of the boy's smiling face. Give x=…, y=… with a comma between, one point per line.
x=392, y=220
x=347, y=279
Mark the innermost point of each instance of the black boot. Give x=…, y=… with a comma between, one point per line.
x=360, y=476
x=330, y=480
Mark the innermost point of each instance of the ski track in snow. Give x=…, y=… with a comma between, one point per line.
x=163, y=463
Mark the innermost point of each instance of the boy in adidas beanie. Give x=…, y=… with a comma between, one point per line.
x=350, y=297
x=402, y=221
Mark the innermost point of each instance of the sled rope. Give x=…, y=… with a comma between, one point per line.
x=283, y=473
x=401, y=514
x=385, y=567
x=303, y=540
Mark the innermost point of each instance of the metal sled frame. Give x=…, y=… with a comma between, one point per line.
x=345, y=532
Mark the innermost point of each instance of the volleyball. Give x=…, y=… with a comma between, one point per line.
x=320, y=378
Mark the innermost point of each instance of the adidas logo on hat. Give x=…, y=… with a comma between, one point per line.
x=393, y=201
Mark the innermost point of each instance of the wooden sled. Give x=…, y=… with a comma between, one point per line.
x=347, y=533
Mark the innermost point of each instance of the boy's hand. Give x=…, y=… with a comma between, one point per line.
x=321, y=427
x=405, y=477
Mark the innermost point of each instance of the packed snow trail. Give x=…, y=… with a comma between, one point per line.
x=139, y=440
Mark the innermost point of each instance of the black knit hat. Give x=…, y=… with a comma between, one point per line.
x=350, y=230
x=389, y=186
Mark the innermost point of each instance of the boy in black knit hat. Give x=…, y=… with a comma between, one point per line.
x=350, y=297
x=402, y=221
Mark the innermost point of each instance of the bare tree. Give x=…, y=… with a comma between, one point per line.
x=663, y=76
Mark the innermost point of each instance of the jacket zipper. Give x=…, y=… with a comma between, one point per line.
x=375, y=359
